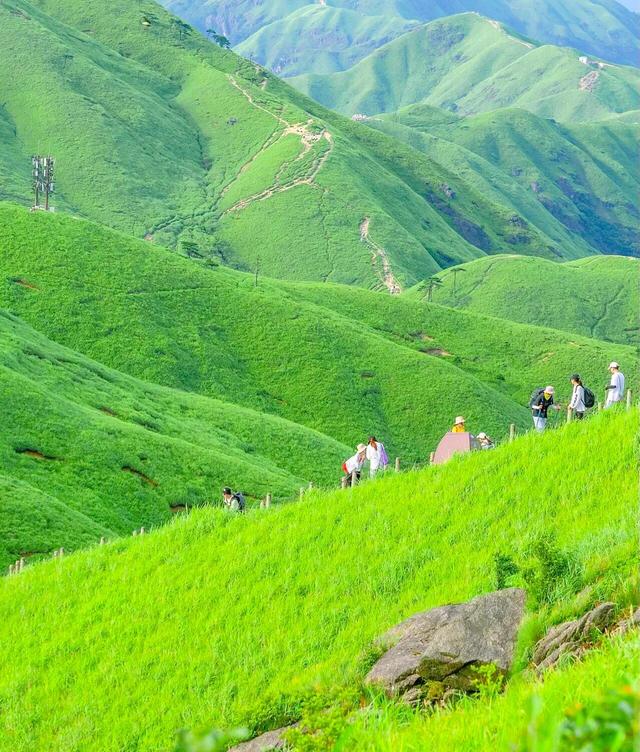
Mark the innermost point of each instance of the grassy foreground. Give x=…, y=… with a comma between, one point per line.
x=222, y=621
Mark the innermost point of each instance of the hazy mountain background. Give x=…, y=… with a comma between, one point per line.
x=292, y=34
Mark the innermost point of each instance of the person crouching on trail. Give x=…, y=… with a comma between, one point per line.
x=377, y=456
x=485, y=441
x=577, y=405
x=353, y=466
x=540, y=408
x=615, y=390
x=234, y=502
x=459, y=425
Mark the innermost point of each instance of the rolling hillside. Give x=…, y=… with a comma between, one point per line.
x=225, y=622
x=595, y=298
x=471, y=64
x=578, y=173
x=89, y=452
x=320, y=38
x=354, y=362
x=142, y=145
x=605, y=28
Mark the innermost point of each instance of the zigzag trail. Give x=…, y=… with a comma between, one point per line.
x=308, y=140
x=387, y=276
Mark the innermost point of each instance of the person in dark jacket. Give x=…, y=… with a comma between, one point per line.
x=540, y=408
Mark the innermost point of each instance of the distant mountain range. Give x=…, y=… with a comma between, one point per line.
x=299, y=36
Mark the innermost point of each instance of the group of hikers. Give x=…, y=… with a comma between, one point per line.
x=542, y=400
x=582, y=398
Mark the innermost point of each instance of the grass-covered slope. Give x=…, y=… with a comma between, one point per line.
x=223, y=621
x=471, y=64
x=320, y=38
x=88, y=452
x=597, y=297
x=164, y=135
x=576, y=174
x=604, y=28
x=337, y=360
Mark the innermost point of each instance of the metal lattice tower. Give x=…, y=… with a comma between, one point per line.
x=43, y=184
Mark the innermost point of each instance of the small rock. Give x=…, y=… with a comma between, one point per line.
x=264, y=743
x=446, y=645
x=569, y=637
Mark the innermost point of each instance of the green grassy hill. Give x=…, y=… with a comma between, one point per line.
x=578, y=174
x=471, y=64
x=142, y=145
x=604, y=28
x=223, y=621
x=340, y=361
x=89, y=452
x=320, y=38
x=596, y=297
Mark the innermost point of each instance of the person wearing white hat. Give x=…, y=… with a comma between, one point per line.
x=353, y=466
x=540, y=407
x=615, y=390
x=485, y=441
x=459, y=425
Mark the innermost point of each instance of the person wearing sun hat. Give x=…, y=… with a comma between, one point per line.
x=353, y=466
x=615, y=390
x=459, y=425
x=485, y=441
x=540, y=407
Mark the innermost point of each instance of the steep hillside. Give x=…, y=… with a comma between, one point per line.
x=320, y=38
x=577, y=174
x=470, y=64
x=221, y=621
x=166, y=136
x=595, y=298
x=599, y=27
x=88, y=452
x=337, y=360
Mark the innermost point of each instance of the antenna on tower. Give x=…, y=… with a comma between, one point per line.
x=43, y=184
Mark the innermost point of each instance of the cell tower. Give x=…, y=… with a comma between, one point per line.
x=43, y=184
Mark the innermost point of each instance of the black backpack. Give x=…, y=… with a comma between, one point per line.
x=239, y=496
x=535, y=397
x=589, y=397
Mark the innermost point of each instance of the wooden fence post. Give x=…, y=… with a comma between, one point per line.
x=302, y=490
x=397, y=464
x=134, y=533
x=432, y=457
x=569, y=415
x=102, y=541
x=61, y=553
x=142, y=531
x=512, y=432
x=267, y=501
x=629, y=399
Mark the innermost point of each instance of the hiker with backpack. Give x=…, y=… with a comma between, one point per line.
x=377, y=456
x=234, y=502
x=582, y=398
x=353, y=466
x=541, y=401
x=615, y=390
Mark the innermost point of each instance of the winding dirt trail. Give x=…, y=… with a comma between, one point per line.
x=309, y=139
x=379, y=254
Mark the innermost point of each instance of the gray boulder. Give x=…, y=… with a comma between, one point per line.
x=266, y=742
x=441, y=649
x=569, y=638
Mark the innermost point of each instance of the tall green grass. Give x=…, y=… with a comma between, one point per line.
x=223, y=621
